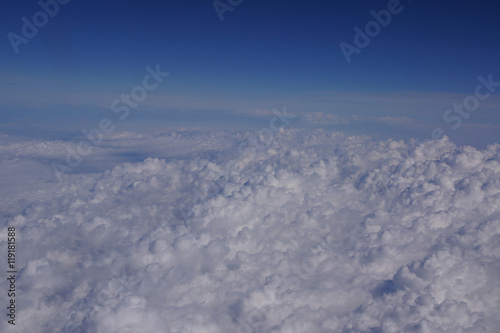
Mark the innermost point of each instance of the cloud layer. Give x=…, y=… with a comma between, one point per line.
x=313, y=232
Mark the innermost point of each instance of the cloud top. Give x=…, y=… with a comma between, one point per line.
x=315, y=232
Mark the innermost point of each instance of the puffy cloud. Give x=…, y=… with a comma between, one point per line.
x=313, y=232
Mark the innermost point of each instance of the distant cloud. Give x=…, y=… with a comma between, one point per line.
x=40, y=92
x=401, y=121
x=257, y=112
x=320, y=118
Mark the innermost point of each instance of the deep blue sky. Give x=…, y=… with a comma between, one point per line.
x=263, y=51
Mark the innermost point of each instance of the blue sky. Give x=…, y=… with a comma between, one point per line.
x=262, y=55
x=207, y=208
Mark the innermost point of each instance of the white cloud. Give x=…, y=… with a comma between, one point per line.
x=320, y=118
x=318, y=232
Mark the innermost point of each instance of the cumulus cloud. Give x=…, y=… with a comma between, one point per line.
x=312, y=232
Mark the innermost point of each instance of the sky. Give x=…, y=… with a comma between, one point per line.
x=249, y=167
x=261, y=56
